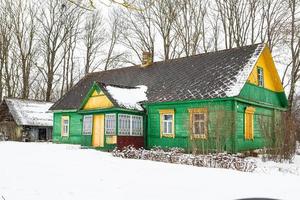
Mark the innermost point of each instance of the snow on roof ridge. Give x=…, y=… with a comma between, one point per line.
x=129, y=97
x=244, y=73
x=30, y=112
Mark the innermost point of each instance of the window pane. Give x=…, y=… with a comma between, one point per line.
x=196, y=128
x=198, y=116
x=137, y=125
x=124, y=124
x=260, y=76
x=87, y=124
x=168, y=117
x=165, y=127
x=169, y=127
x=202, y=128
x=110, y=124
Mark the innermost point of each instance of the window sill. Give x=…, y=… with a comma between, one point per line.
x=198, y=137
x=169, y=135
x=131, y=135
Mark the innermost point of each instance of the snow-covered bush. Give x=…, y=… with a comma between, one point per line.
x=176, y=155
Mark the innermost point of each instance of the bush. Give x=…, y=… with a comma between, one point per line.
x=280, y=143
x=176, y=155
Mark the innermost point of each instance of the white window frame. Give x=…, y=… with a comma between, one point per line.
x=168, y=133
x=136, y=125
x=65, y=132
x=168, y=123
x=110, y=124
x=84, y=131
x=130, y=129
x=260, y=76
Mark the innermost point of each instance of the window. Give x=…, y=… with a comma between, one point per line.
x=110, y=124
x=124, y=124
x=198, y=123
x=137, y=125
x=260, y=76
x=167, y=123
x=65, y=120
x=131, y=125
x=87, y=124
x=249, y=124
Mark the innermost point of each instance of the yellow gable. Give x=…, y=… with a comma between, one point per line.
x=270, y=74
x=97, y=100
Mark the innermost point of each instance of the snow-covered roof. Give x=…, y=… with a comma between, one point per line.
x=240, y=79
x=210, y=75
x=128, y=97
x=30, y=112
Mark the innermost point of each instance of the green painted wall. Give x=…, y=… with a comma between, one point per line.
x=76, y=120
x=219, y=130
x=75, y=128
x=254, y=93
x=263, y=115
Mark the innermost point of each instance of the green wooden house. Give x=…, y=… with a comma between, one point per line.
x=220, y=101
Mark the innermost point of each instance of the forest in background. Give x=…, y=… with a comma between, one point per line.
x=46, y=46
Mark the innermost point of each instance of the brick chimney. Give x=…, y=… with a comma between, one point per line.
x=147, y=59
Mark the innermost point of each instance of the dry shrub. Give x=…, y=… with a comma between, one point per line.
x=177, y=156
x=220, y=129
x=280, y=139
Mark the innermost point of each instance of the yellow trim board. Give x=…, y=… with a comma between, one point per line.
x=198, y=110
x=162, y=113
x=249, y=123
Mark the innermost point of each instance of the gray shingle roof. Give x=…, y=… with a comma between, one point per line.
x=204, y=76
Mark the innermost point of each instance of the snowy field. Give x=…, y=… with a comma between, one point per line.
x=42, y=171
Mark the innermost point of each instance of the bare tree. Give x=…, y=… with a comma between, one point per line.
x=93, y=38
x=273, y=21
x=53, y=35
x=5, y=43
x=294, y=39
x=189, y=25
x=138, y=32
x=112, y=57
x=23, y=18
x=164, y=16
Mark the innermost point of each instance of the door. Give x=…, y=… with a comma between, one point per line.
x=98, y=131
x=42, y=134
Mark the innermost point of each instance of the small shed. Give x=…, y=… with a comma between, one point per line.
x=26, y=120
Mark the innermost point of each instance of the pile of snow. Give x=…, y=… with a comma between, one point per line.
x=35, y=171
x=129, y=97
x=30, y=112
x=220, y=160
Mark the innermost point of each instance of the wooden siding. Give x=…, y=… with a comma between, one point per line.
x=271, y=77
x=258, y=139
x=258, y=94
x=136, y=141
x=220, y=123
x=75, y=128
x=98, y=102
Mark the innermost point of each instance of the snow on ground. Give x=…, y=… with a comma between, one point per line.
x=42, y=171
